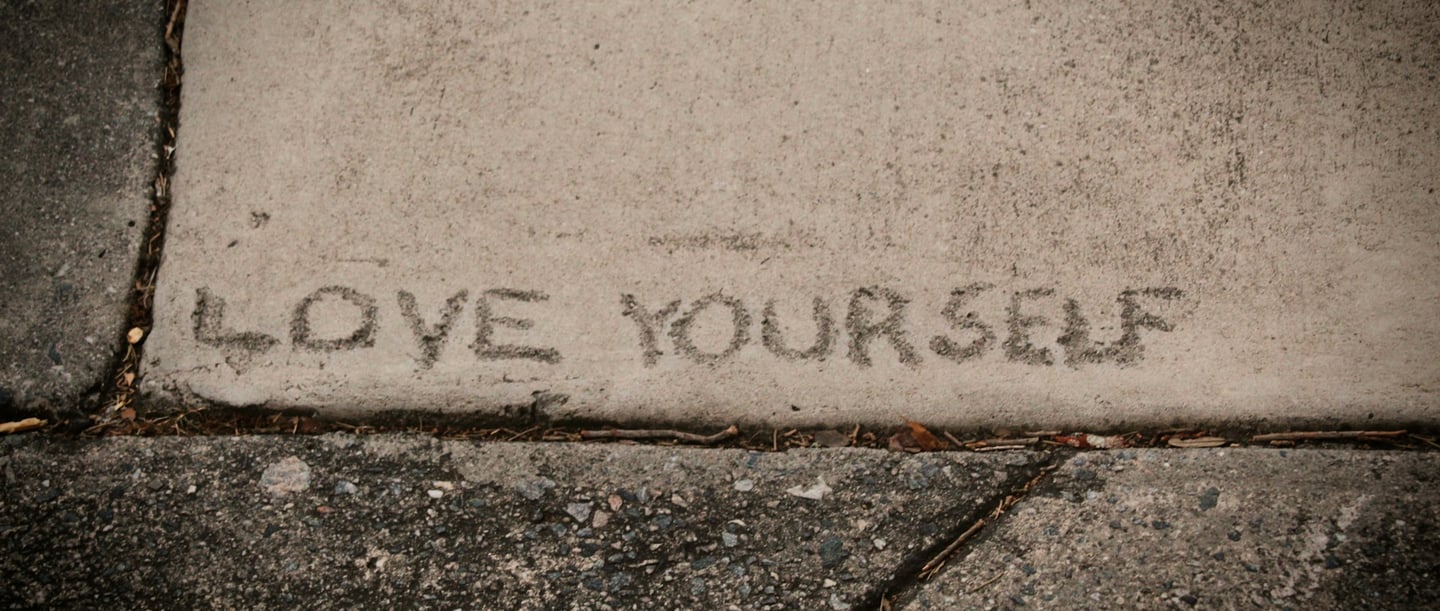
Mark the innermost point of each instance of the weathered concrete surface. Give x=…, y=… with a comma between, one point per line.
x=1212, y=529
x=78, y=127
x=1178, y=213
x=381, y=522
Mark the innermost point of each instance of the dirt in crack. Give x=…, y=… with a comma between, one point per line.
x=120, y=394
x=953, y=548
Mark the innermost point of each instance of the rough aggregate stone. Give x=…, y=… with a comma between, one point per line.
x=1224, y=528
x=79, y=127
x=79, y=526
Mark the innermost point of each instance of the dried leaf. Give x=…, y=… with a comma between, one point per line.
x=1106, y=442
x=135, y=335
x=21, y=426
x=923, y=437
x=1198, y=442
x=1078, y=440
x=1087, y=441
x=128, y=414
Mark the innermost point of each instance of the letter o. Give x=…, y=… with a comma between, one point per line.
x=680, y=329
x=363, y=337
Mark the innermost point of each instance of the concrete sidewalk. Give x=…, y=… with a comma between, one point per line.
x=1027, y=214
x=1092, y=216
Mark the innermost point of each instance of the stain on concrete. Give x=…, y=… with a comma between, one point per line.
x=864, y=329
x=362, y=337
x=649, y=324
x=431, y=337
x=486, y=321
x=985, y=336
x=824, y=333
x=209, y=326
x=1018, y=347
x=1127, y=350
x=739, y=318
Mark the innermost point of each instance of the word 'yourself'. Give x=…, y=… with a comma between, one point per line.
x=872, y=315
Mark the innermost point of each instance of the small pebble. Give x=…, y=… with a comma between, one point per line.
x=745, y=485
x=535, y=489
x=1209, y=499
x=832, y=552
x=345, y=487
x=435, y=494
x=288, y=476
x=579, y=511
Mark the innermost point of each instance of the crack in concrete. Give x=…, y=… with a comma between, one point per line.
x=125, y=368
x=920, y=567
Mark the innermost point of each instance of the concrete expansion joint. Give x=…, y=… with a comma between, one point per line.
x=962, y=538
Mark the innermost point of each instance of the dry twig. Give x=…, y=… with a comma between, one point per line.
x=935, y=564
x=1197, y=442
x=1320, y=435
x=20, y=426
x=522, y=433
x=986, y=584
x=1005, y=443
x=953, y=440
x=661, y=434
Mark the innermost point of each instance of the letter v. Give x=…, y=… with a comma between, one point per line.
x=431, y=338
